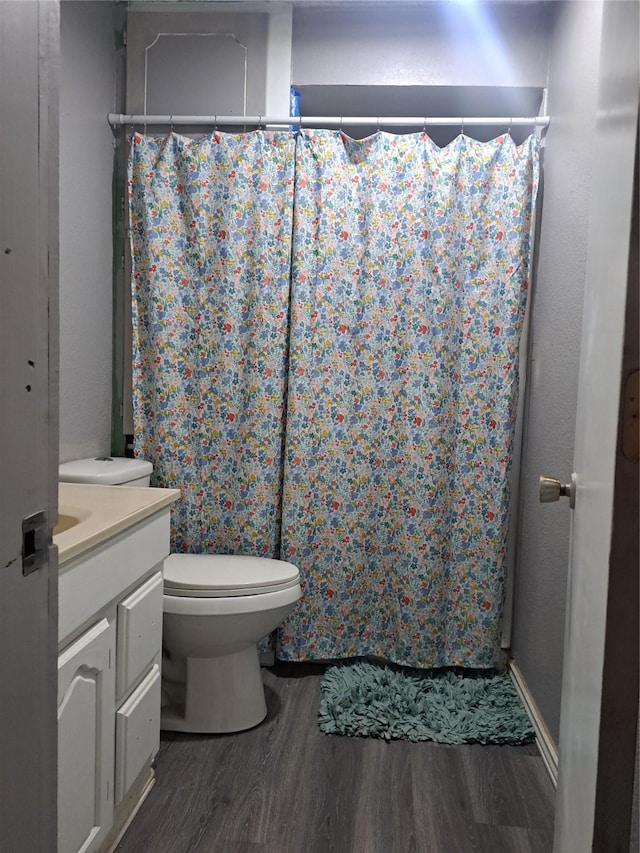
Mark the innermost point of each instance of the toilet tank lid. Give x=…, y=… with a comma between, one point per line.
x=227, y=572
x=105, y=470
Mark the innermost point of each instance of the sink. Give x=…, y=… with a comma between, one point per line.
x=70, y=515
x=65, y=522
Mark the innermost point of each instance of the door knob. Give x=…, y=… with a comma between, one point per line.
x=552, y=490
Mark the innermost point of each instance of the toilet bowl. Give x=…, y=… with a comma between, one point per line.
x=215, y=609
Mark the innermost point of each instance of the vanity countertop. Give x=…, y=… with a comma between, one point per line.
x=90, y=514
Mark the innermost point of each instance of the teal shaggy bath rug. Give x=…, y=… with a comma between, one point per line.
x=372, y=701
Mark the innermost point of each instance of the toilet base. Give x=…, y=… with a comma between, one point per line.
x=223, y=694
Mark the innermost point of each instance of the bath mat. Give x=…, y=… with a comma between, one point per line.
x=373, y=701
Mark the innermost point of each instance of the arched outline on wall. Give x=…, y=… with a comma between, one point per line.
x=199, y=35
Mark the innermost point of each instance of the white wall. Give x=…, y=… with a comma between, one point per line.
x=86, y=167
x=541, y=575
x=442, y=44
x=438, y=44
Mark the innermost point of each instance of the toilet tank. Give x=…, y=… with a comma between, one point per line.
x=107, y=471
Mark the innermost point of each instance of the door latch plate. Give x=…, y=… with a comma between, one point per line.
x=35, y=542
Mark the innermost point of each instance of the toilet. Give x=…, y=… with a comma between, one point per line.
x=215, y=609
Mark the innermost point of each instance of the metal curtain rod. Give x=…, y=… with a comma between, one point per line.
x=116, y=119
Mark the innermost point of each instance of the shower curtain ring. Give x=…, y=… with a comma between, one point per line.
x=510, y=123
x=171, y=123
x=462, y=125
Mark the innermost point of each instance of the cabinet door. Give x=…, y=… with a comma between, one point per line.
x=137, y=732
x=86, y=706
x=139, y=632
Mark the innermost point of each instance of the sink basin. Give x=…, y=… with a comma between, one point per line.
x=69, y=516
x=65, y=522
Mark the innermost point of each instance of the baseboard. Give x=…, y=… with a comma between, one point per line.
x=546, y=744
x=113, y=843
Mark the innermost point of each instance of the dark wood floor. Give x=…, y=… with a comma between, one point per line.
x=284, y=787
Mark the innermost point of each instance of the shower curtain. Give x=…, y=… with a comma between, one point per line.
x=210, y=225
x=397, y=371
x=409, y=280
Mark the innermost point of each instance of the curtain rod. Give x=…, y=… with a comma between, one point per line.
x=116, y=119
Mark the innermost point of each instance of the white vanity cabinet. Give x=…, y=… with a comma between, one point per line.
x=110, y=641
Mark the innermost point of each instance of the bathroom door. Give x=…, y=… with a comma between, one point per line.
x=29, y=44
x=595, y=772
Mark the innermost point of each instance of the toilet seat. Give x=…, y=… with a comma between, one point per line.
x=226, y=576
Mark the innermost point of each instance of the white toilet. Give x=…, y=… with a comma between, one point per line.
x=215, y=608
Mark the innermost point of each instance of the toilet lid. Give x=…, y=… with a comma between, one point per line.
x=217, y=576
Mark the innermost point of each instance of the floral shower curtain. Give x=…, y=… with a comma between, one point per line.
x=210, y=227
x=409, y=279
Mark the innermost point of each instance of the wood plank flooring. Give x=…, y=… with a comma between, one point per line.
x=284, y=787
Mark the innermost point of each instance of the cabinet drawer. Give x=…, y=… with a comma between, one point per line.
x=137, y=732
x=139, y=632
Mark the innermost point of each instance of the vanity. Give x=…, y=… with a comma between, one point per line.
x=112, y=542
